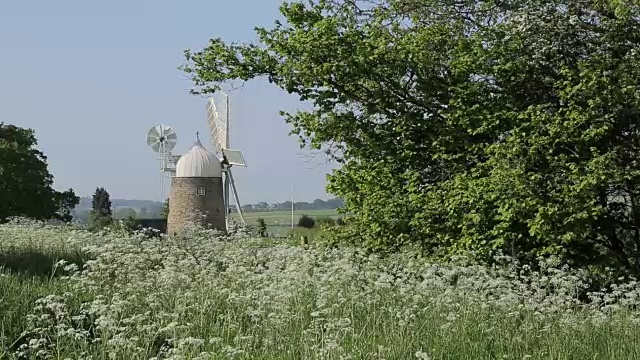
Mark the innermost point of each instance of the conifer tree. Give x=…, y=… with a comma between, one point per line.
x=101, y=214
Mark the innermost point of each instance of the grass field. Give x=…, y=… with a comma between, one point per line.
x=66, y=293
x=284, y=217
x=279, y=222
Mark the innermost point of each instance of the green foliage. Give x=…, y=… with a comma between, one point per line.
x=315, y=235
x=66, y=202
x=469, y=127
x=25, y=181
x=124, y=213
x=101, y=202
x=262, y=227
x=325, y=221
x=127, y=219
x=97, y=222
x=101, y=214
x=165, y=210
x=306, y=222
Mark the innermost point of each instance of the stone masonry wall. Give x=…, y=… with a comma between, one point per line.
x=185, y=204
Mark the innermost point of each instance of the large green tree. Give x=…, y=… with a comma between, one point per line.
x=25, y=182
x=467, y=126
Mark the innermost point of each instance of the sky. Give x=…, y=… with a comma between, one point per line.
x=92, y=77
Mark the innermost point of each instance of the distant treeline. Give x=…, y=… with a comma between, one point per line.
x=122, y=208
x=317, y=204
x=149, y=209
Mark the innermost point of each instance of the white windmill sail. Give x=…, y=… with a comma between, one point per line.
x=218, y=118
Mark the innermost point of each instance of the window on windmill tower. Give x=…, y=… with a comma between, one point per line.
x=200, y=191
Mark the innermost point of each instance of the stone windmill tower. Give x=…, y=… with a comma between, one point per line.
x=196, y=195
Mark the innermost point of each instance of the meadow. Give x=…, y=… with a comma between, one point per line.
x=279, y=222
x=67, y=293
x=284, y=217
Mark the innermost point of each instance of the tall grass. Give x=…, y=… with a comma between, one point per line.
x=203, y=298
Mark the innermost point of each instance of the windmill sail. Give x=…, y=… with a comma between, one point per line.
x=217, y=115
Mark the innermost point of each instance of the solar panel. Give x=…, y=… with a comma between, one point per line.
x=234, y=157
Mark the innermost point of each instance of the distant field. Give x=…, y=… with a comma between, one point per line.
x=279, y=222
x=283, y=218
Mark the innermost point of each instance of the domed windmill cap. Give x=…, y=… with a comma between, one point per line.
x=198, y=162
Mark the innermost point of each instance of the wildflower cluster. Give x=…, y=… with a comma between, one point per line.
x=213, y=297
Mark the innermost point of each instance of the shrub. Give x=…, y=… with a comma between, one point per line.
x=325, y=221
x=98, y=222
x=262, y=227
x=306, y=222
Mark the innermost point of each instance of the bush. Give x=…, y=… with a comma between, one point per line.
x=306, y=222
x=98, y=222
x=325, y=221
x=262, y=228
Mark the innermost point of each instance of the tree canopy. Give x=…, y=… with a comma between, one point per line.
x=25, y=182
x=101, y=214
x=101, y=202
x=465, y=126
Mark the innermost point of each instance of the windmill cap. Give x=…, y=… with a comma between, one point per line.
x=198, y=162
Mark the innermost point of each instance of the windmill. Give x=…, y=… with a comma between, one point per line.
x=162, y=139
x=218, y=117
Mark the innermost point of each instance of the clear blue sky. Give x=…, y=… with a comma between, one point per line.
x=91, y=77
